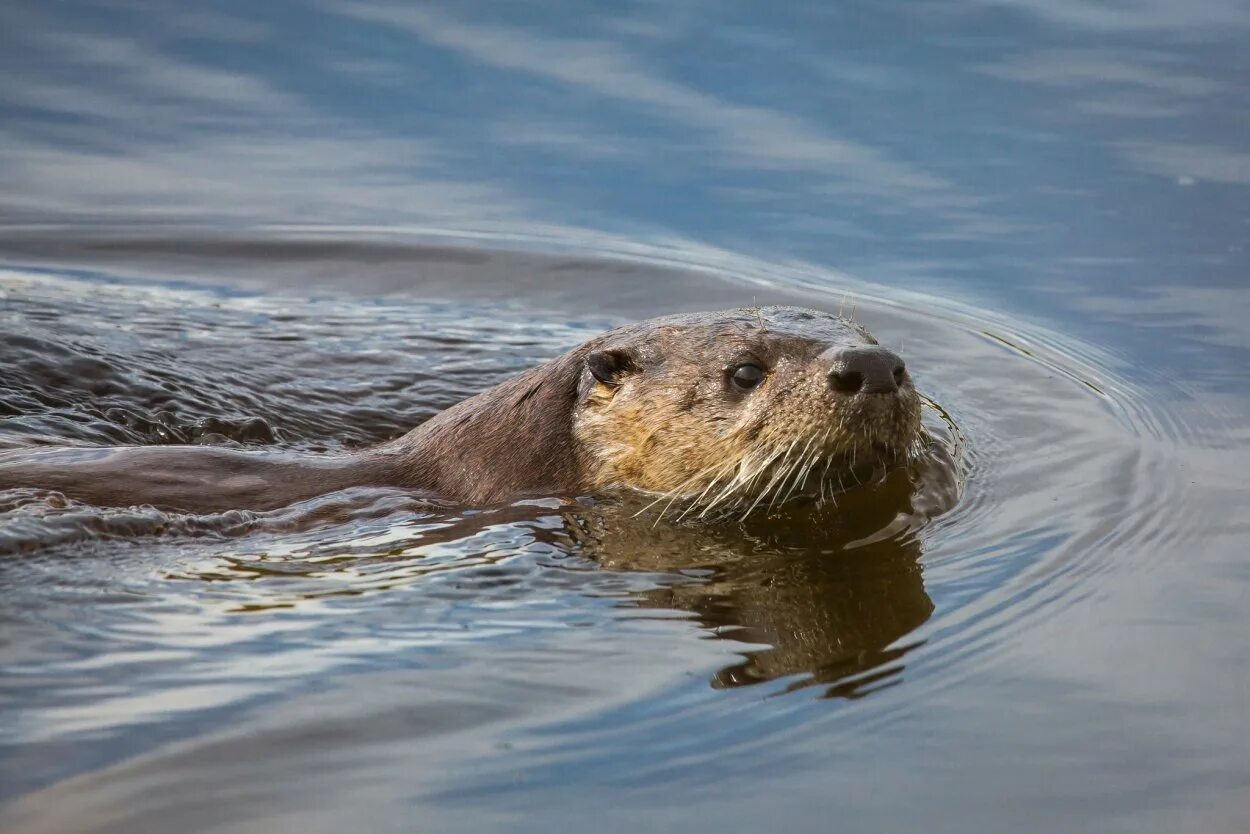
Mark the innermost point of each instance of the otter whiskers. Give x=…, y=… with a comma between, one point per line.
x=765, y=479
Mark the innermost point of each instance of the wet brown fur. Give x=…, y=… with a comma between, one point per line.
x=665, y=421
x=678, y=429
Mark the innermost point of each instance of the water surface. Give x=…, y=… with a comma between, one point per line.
x=311, y=226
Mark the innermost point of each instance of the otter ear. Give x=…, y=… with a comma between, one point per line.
x=612, y=365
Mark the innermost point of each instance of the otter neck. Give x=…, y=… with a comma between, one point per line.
x=510, y=441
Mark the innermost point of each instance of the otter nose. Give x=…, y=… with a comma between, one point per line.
x=869, y=369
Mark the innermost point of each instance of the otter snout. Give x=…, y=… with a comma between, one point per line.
x=869, y=369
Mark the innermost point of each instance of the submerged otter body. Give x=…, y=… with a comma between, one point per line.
x=710, y=412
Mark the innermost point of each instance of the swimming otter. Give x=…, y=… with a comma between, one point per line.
x=711, y=412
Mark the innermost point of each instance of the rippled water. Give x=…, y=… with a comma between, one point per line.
x=313, y=226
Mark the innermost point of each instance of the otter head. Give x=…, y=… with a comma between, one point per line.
x=740, y=409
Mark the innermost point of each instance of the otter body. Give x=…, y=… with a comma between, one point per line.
x=721, y=410
x=187, y=478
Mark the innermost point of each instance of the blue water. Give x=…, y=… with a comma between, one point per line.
x=336, y=218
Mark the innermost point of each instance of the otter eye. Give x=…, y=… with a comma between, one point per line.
x=746, y=377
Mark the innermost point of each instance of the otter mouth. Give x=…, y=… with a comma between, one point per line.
x=811, y=472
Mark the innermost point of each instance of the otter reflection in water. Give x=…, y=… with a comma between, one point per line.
x=824, y=595
x=712, y=413
x=818, y=595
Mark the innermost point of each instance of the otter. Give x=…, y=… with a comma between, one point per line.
x=720, y=412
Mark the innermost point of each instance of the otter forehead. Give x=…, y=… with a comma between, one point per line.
x=759, y=331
